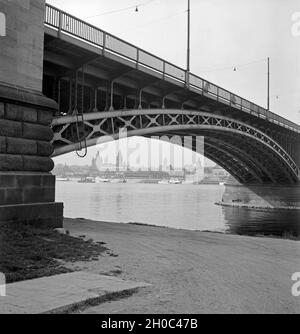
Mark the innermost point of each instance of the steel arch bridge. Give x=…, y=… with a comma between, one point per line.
x=248, y=154
x=102, y=84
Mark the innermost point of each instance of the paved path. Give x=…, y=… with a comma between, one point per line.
x=60, y=293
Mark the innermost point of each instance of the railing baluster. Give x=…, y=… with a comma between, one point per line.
x=137, y=58
x=104, y=43
x=60, y=22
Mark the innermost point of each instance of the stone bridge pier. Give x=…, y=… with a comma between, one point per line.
x=27, y=187
x=285, y=197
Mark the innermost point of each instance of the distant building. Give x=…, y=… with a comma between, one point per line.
x=177, y=174
x=219, y=172
x=198, y=173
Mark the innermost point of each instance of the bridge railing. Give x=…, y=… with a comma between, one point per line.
x=69, y=24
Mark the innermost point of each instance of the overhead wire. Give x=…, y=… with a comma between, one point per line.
x=122, y=9
x=234, y=66
x=165, y=18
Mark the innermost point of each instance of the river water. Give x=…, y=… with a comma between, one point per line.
x=179, y=206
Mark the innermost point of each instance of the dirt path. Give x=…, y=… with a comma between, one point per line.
x=194, y=272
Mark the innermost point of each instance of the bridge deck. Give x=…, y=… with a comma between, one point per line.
x=98, y=42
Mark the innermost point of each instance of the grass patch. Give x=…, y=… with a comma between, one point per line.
x=28, y=252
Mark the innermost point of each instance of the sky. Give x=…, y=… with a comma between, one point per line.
x=225, y=34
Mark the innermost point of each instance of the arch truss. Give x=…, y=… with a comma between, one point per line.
x=247, y=153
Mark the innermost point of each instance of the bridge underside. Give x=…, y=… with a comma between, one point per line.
x=246, y=153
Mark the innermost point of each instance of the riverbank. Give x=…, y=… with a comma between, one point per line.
x=255, y=207
x=192, y=272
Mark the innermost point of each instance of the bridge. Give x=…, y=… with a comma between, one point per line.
x=65, y=84
x=103, y=83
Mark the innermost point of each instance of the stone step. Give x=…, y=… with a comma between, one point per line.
x=62, y=293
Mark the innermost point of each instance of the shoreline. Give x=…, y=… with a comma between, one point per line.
x=222, y=232
x=258, y=208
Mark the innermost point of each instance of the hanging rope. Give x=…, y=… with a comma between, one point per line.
x=78, y=121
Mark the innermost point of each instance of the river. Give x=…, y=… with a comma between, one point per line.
x=189, y=207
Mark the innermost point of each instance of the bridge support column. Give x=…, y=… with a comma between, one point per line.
x=27, y=188
x=262, y=196
x=95, y=99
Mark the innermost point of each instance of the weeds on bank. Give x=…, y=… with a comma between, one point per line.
x=28, y=252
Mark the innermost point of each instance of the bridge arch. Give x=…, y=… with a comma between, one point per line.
x=247, y=153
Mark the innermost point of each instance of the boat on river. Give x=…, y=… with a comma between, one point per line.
x=87, y=180
x=175, y=181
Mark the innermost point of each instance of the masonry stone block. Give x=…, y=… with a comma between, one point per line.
x=10, y=128
x=37, y=164
x=36, y=131
x=2, y=196
x=2, y=144
x=1, y=110
x=48, y=180
x=20, y=113
x=14, y=112
x=7, y=180
x=13, y=196
x=28, y=181
x=45, y=117
x=10, y=162
x=30, y=115
x=44, y=148
x=39, y=195
x=21, y=146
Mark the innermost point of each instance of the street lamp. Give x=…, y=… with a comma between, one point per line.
x=188, y=36
x=268, y=103
x=188, y=65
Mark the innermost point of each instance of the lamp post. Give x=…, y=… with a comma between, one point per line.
x=268, y=102
x=188, y=65
x=188, y=37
